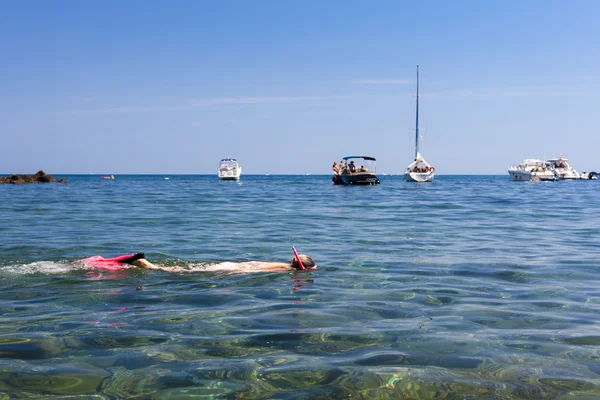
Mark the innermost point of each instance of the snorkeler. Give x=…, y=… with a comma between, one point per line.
x=299, y=262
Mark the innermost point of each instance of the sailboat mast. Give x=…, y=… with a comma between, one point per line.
x=417, y=123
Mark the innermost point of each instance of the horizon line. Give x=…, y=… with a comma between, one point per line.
x=253, y=174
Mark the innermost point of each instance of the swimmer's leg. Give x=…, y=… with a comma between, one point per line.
x=143, y=263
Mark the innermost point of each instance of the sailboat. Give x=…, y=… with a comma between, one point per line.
x=419, y=170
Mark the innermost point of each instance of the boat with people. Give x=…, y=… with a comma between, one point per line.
x=563, y=169
x=566, y=172
x=533, y=169
x=553, y=169
x=356, y=170
x=229, y=170
x=419, y=170
x=107, y=177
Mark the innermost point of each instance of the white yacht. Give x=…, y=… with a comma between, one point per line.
x=419, y=170
x=229, y=170
x=563, y=169
x=533, y=169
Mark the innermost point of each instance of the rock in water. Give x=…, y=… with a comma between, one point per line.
x=39, y=177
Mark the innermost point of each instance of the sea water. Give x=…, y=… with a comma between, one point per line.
x=470, y=287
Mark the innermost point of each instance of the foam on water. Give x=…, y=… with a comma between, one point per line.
x=61, y=267
x=42, y=267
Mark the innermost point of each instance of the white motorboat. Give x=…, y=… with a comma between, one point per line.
x=533, y=169
x=419, y=170
x=563, y=169
x=589, y=175
x=229, y=170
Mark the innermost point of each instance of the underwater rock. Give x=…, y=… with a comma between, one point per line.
x=39, y=177
x=55, y=379
x=31, y=347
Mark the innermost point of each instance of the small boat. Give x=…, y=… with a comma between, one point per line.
x=533, y=169
x=107, y=177
x=419, y=170
x=229, y=170
x=589, y=175
x=352, y=174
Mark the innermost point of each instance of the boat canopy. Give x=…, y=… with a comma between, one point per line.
x=363, y=157
x=228, y=163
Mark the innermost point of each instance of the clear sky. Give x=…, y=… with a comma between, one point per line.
x=166, y=87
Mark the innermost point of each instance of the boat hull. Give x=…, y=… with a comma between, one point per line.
x=229, y=170
x=359, y=179
x=229, y=177
x=526, y=176
x=419, y=176
x=520, y=175
x=569, y=177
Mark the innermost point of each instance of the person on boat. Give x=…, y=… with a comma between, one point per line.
x=362, y=169
x=139, y=260
x=335, y=169
x=352, y=167
x=342, y=165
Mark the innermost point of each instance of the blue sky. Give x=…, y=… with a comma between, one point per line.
x=291, y=86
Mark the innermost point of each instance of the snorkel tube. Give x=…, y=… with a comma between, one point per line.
x=298, y=259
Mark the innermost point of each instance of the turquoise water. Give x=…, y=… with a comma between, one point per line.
x=472, y=287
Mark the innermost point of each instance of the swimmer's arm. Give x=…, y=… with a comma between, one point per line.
x=143, y=263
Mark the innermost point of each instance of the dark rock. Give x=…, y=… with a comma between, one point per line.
x=39, y=177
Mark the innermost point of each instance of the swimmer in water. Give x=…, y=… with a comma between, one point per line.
x=299, y=262
x=243, y=267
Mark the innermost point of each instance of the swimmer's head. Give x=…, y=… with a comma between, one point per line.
x=306, y=261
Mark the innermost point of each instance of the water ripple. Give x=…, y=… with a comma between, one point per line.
x=467, y=288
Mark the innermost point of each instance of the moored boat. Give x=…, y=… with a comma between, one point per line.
x=419, y=170
x=229, y=170
x=353, y=174
x=563, y=169
x=533, y=169
x=589, y=175
x=553, y=169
